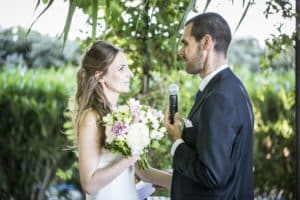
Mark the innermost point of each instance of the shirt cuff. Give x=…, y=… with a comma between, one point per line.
x=175, y=145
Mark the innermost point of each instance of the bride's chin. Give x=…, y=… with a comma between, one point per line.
x=125, y=90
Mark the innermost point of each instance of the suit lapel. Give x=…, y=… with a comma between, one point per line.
x=207, y=91
x=197, y=104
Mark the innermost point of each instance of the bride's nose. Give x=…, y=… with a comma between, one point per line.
x=130, y=74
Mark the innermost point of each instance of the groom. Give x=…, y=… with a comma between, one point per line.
x=212, y=154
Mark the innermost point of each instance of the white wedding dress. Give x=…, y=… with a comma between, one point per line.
x=122, y=187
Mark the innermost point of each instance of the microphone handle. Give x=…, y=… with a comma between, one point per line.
x=173, y=107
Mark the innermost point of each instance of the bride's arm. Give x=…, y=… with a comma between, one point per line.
x=92, y=178
x=155, y=176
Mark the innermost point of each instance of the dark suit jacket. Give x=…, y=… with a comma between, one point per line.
x=215, y=160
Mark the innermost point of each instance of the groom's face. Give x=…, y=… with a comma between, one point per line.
x=191, y=51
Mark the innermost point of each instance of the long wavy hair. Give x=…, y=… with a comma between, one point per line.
x=89, y=93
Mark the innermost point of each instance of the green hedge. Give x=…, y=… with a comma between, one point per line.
x=32, y=144
x=273, y=96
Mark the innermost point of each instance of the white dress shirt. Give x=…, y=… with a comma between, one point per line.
x=202, y=86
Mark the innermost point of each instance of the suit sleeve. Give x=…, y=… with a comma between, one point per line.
x=209, y=164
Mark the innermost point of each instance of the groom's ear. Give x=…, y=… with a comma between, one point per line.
x=206, y=42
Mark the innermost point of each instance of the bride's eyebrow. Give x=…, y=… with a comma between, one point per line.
x=122, y=65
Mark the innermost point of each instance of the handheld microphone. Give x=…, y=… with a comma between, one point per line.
x=173, y=101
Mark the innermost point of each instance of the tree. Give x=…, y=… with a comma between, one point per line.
x=154, y=25
x=298, y=97
x=36, y=50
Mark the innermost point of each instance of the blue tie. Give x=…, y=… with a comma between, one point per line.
x=198, y=96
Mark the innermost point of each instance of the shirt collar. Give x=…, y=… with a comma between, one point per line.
x=207, y=78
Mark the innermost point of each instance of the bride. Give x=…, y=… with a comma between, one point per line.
x=103, y=75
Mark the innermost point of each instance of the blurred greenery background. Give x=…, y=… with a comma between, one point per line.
x=37, y=79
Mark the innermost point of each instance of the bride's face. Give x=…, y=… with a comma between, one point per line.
x=117, y=78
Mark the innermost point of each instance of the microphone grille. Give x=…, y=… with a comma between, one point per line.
x=173, y=89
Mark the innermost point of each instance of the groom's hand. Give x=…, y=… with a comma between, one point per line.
x=174, y=130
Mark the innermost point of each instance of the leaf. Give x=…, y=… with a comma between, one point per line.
x=37, y=4
x=186, y=12
x=140, y=14
x=43, y=11
x=152, y=13
x=181, y=24
x=206, y=5
x=72, y=7
x=94, y=18
x=243, y=16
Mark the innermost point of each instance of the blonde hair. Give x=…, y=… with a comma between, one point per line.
x=89, y=93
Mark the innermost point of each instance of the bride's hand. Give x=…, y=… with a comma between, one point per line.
x=132, y=159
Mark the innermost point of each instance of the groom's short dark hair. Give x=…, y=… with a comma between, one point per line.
x=214, y=25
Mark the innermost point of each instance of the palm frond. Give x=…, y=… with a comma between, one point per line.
x=140, y=14
x=94, y=17
x=190, y=7
x=206, y=5
x=71, y=10
x=243, y=16
x=43, y=11
x=186, y=12
x=37, y=4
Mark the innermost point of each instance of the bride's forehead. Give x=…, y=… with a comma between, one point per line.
x=120, y=55
x=120, y=59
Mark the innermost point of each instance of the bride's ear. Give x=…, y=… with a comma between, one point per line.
x=99, y=78
x=98, y=75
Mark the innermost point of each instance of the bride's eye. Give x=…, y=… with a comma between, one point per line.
x=122, y=67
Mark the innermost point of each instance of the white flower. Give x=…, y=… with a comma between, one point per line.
x=133, y=102
x=161, y=115
x=138, y=137
x=110, y=136
x=150, y=115
x=143, y=117
x=127, y=120
x=156, y=135
x=153, y=134
x=155, y=124
x=163, y=130
x=160, y=135
x=123, y=109
x=108, y=119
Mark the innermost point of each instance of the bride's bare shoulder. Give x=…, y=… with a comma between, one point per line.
x=89, y=117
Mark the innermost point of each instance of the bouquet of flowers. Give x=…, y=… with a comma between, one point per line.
x=133, y=129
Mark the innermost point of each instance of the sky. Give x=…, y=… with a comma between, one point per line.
x=21, y=12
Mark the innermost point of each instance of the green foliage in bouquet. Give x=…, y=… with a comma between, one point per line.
x=119, y=146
